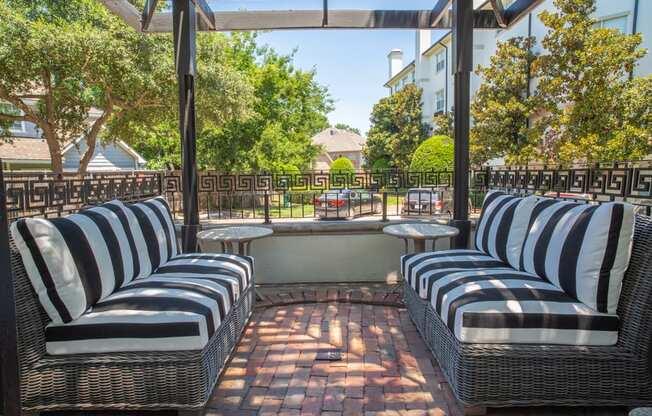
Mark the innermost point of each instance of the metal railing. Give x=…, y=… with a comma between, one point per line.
x=317, y=194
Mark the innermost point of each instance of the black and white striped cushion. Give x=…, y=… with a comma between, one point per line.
x=75, y=261
x=508, y=306
x=145, y=316
x=157, y=227
x=419, y=270
x=235, y=269
x=582, y=249
x=177, y=308
x=502, y=226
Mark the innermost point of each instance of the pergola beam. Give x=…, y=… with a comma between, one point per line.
x=438, y=12
x=205, y=12
x=499, y=12
x=440, y=17
x=127, y=11
x=332, y=19
x=148, y=13
x=519, y=9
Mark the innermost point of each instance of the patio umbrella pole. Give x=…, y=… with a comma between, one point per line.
x=462, y=28
x=9, y=380
x=184, y=31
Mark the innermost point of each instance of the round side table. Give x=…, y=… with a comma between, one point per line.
x=420, y=233
x=229, y=236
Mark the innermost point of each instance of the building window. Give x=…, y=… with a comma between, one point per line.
x=440, y=61
x=440, y=101
x=412, y=77
x=16, y=126
x=614, y=22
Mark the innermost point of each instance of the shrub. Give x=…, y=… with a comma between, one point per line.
x=342, y=165
x=434, y=154
x=380, y=165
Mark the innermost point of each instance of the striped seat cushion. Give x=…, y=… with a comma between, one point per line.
x=503, y=225
x=147, y=315
x=419, y=270
x=156, y=224
x=508, y=306
x=235, y=269
x=76, y=261
x=582, y=249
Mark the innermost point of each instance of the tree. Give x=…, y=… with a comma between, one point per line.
x=587, y=95
x=290, y=107
x=346, y=127
x=342, y=165
x=503, y=106
x=396, y=127
x=443, y=124
x=59, y=60
x=435, y=154
x=380, y=165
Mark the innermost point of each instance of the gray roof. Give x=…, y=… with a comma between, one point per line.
x=336, y=140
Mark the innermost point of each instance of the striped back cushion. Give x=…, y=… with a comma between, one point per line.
x=582, y=249
x=76, y=261
x=502, y=226
x=157, y=227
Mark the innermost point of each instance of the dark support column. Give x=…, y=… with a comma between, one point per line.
x=462, y=66
x=9, y=375
x=185, y=28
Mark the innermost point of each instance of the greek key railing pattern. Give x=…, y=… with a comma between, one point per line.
x=46, y=195
x=611, y=182
x=213, y=182
x=230, y=195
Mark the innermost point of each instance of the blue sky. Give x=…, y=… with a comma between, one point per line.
x=351, y=63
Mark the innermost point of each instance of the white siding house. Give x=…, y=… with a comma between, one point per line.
x=432, y=61
x=26, y=150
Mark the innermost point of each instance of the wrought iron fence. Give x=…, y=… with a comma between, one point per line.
x=317, y=194
x=47, y=195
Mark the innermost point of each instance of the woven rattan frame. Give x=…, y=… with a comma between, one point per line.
x=500, y=375
x=181, y=380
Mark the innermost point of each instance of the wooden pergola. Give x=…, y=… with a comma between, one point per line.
x=189, y=16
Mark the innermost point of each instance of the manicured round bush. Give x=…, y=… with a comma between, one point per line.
x=342, y=165
x=380, y=165
x=435, y=154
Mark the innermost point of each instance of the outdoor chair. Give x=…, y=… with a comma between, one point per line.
x=548, y=309
x=111, y=316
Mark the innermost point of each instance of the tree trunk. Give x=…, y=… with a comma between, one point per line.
x=91, y=138
x=56, y=158
x=88, y=155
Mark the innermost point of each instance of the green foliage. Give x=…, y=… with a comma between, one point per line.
x=380, y=165
x=591, y=106
x=443, y=124
x=255, y=110
x=346, y=127
x=342, y=165
x=502, y=106
x=290, y=107
x=435, y=154
x=396, y=127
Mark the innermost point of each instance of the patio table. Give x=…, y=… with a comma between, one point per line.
x=420, y=233
x=228, y=236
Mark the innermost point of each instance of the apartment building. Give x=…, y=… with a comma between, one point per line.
x=430, y=69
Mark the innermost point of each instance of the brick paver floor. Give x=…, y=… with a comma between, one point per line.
x=385, y=368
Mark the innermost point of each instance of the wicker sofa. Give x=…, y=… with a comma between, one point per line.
x=94, y=361
x=559, y=365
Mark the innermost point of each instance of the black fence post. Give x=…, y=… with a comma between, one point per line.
x=9, y=373
x=267, y=218
x=385, y=207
